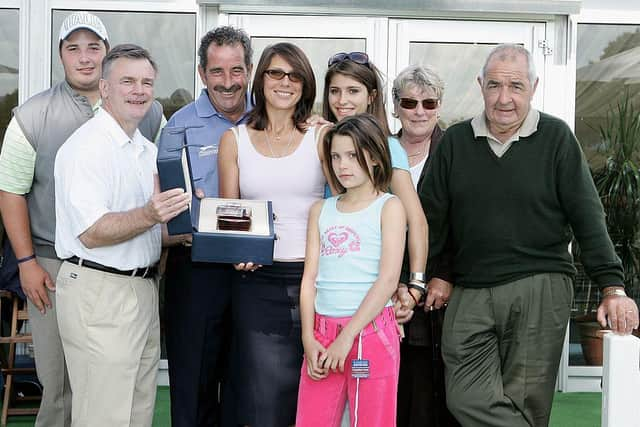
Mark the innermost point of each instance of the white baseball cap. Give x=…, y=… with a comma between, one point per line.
x=86, y=20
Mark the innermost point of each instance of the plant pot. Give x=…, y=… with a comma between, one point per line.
x=591, y=341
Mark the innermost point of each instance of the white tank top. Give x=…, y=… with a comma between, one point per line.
x=292, y=183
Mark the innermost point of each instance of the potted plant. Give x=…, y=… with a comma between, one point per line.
x=617, y=180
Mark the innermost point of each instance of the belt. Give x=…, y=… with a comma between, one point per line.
x=136, y=272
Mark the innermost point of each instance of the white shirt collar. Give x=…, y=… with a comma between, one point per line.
x=115, y=130
x=529, y=126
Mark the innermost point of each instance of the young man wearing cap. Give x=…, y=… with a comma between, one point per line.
x=37, y=130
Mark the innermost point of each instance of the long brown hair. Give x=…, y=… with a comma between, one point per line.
x=367, y=135
x=300, y=63
x=370, y=77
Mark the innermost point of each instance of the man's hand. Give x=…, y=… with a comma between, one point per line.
x=403, y=304
x=35, y=281
x=620, y=312
x=438, y=293
x=165, y=206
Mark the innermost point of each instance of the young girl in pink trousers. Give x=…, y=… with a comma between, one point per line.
x=355, y=244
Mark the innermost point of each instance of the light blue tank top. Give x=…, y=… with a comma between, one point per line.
x=350, y=250
x=399, y=159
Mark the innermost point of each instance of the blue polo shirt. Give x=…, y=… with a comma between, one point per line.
x=203, y=141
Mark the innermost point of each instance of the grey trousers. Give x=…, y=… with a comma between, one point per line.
x=55, y=408
x=501, y=348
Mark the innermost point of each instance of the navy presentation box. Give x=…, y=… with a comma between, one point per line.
x=209, y=243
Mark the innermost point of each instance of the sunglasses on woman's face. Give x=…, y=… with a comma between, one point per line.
x=275, y=74
x=357, y=57
x=427, y=104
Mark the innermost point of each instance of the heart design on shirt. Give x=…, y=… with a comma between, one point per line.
x=337, y=239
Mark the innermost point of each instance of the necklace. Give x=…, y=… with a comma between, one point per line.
x=417, y=153
x=286, y=148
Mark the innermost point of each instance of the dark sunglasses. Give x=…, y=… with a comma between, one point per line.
x=357, y=57
x=294, y=76
x=427, y=104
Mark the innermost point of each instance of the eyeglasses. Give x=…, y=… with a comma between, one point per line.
x=357, y=57
x=427, y=104
x=275, y=74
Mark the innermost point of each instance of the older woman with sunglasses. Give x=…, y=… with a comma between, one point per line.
x=353, y=85
x=273, y=158
x=417, y=97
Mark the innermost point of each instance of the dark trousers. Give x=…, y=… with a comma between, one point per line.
x=197, y=315
x=501, y=348
x=421, y=391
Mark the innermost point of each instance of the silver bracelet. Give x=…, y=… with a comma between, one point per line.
x=416, y=276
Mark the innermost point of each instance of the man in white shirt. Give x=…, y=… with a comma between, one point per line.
x=37, y=130
x=108, y=216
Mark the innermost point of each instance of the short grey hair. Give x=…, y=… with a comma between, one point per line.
x=419, y=76
x=128, y=51
x=503, y=51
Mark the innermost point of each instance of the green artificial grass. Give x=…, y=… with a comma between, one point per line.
x=569, y=410
x=576, y=410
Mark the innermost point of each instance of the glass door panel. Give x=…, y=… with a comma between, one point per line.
x=9, y=34
x=456, y=50
x=318, y=36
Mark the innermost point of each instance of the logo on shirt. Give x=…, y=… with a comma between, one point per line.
x=338, y=240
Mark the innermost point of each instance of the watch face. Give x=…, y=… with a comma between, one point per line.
x=233, y=210
x=234, y=217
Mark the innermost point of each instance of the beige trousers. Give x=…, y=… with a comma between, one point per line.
x=110, y=333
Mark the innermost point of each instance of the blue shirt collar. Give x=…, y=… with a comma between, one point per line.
x=204, y=107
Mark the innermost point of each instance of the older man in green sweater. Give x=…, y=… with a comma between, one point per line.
x=508, y=189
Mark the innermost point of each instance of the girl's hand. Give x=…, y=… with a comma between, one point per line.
x=438, y=292
x=312, y=351
x=403, y=304
x=246, y=266
x=336, y=354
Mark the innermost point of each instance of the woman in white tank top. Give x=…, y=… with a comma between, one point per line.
x=273, y=158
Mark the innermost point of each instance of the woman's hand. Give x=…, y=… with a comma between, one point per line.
x=315, y=120
x=336, y=354
x=246, y=266
x=312, y=351
x=403, y=304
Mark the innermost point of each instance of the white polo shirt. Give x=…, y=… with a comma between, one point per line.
x=99, y=170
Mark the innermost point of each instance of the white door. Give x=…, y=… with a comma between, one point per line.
x=457, y=50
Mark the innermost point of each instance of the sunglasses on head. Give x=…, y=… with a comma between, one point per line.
x=410, y=103
x=357, y=57
x=275, y=74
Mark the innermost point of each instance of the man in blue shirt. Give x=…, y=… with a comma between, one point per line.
x=197, y=295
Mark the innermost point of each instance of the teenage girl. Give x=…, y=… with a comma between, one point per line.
x=353, y=85
x=355, y=245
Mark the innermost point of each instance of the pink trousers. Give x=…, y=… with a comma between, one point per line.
x=321, y=403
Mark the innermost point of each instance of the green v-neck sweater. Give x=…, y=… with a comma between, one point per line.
x=513, y=217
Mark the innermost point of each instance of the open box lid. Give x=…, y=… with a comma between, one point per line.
x=174, y=171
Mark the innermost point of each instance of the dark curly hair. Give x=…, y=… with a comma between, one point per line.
x=225, y=36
